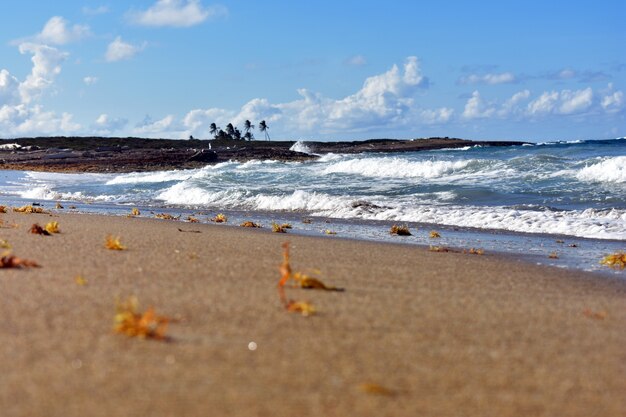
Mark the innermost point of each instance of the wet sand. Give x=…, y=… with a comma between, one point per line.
x=441, y=334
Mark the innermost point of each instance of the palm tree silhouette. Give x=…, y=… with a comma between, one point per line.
x=230, y=130
x=213, y=129
x=248, y=136
x=263, y=127
x=247, y=126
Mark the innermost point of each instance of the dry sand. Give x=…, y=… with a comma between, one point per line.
x=449, y=334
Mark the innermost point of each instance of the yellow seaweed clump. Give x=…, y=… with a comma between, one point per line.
x=302, y=280
x=277, y=228
x=249, y=223
x=400, y=230
x=113, y=243
x=52, y=227
x=147, y=325
x=28, y=209
x=434, y=234
x=615, y=261
x=220, y=218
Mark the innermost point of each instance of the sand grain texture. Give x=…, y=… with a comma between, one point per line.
x=449, y=334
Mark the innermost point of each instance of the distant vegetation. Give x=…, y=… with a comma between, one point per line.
x=231, y=132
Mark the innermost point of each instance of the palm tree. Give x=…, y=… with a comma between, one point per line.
x=247, y=126
x=230, y=130
x=248, y=136
x=237, y=134
x=263, y=127
x=213, y=129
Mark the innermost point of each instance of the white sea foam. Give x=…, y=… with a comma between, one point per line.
x=45, y=192
x=608, y=170
x=300, y=146
x=590, y=223
x=151, y=177
x=388, y=167
x=329, y=157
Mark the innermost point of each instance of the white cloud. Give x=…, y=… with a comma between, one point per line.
x=90, y=80
x=46, y=66
x=119, y=50
x=512, y=105
x=561, y=102
x=176, y=13
x=475, y=108
x=9, y=88
x=165, y=127
x=356, y=61
x=575, y=101
x=435, y=116
x=33, y=120
x=19, y=112
x=105, y=125
x=613, y=101
x=491, y=79
x=57, y=32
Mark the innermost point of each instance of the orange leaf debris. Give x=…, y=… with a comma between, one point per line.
x=249, y=223
x=113, y=243
x=377, y=389
x=38, y=230
x=10, y=261
x=400, y=230
x=303, y=280
x=146, y=325
x=220, y=218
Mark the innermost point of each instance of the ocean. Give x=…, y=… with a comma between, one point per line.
x=530, y=201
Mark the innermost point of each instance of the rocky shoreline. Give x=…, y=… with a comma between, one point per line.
x=97, y=154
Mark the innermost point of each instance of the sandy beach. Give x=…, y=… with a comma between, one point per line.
x=415, y=333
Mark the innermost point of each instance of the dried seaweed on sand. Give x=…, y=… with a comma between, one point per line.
x=147, y=325
x=400, y=230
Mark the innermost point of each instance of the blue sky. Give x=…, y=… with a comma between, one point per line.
x=328, y=70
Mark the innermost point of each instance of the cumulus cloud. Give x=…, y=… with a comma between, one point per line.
x=33, y=120
x=176, y=13
x=105, y=124
x=119, y=50
x=561, y=102
x=19, y=112
x=90, y=80
x=57, y=31
x=46, y=66
x=491, y=79
x=436, y=116
x=9, y=88
x=476, y=108
x=165, y=127
x=512, y=105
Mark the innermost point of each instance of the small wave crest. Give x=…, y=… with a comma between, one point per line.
x=609, y=170
x=301, y=146
x=396, y=167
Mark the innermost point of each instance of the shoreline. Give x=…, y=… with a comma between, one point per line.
x=440, y=332
x=123, y=155
x=574, y=253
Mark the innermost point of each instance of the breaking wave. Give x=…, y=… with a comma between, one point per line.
x=609, y=170
x=396, y=167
